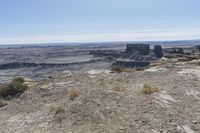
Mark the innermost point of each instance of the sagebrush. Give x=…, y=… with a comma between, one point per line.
x=16, y=86
x=147, y=89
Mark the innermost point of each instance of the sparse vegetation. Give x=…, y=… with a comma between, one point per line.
x=149, y=90
x=2, y=103
x=13, y=88
x=117, y=68
x=73, y=94
x=19, y=80
x=58, y=114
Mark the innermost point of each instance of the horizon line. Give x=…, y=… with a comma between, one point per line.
x=110, y=36
x=100, y=42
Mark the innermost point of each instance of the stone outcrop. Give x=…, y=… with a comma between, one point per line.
x=176, y=51
x=142, y=49
x=158, y=51
x=135, y=55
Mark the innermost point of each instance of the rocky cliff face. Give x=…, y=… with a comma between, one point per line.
x=135, y=55
x=142, y=49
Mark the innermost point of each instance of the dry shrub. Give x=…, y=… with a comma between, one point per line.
x=58, y=114
x=73, y=94
x=19, y=80
x=117, y=68
x=16, y=86
x=149, y=90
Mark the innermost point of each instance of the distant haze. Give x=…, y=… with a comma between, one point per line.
x=55, y=21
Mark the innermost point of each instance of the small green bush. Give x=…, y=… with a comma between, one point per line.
x=13, y=88
x=19, y=80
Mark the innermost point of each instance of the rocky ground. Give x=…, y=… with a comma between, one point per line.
x=99, y=101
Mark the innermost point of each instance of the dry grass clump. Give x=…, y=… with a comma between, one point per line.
x=117, y=68
x=149, y=90
x=15, y=87
x=73, y=94
x=19, y=80
x=58, y=114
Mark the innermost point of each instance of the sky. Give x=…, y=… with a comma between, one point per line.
x=58, y=21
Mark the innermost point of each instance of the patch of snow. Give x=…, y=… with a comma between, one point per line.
x=63, y=83
x=156, y=69
x=197, y=61
x=92, y=76
x=154, y=131
x=179, y=128
x=187, y=129
x=164, y=98
x=184, y=129
x=68, y=73
x=164, y=59
x=193, y=93
x=93, y=72
x=48, y=86
x=195, y=72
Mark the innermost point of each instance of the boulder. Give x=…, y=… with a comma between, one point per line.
x=158, y=51
x=142, y=49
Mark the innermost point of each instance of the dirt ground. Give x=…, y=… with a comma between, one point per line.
x=99, y=101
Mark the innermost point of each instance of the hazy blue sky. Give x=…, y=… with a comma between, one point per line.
x=35, y=21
